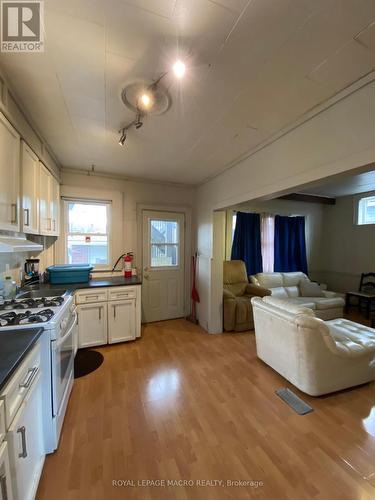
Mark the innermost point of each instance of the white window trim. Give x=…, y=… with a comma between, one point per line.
x=66, y=201
x=357, y=198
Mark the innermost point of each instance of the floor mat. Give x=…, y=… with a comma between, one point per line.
x=295, y=402
x=86, y=361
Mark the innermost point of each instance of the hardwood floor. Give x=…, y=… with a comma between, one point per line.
x=180, y=404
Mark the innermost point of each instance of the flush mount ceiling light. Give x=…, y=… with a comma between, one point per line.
x=148, y=98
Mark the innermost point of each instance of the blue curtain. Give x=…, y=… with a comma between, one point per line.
x=290, y=244
x=246, y=242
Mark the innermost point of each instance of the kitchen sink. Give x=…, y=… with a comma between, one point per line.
x=46, y=292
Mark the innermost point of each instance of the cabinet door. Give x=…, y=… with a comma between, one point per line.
x=6, y=490
x=55, y=206
x=45, y=218
x=121, y=321
x=92, y=324
x=9, y=176
x=25, y=439
x=30, y=190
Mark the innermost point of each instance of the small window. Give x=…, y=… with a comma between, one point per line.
x=87, y=233
x=366, y=210
x=164, y=243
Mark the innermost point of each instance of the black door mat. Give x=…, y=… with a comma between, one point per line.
x=295, y=402
x=86, y=361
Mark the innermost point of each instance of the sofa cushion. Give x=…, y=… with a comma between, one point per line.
x=308, y=288
x=303, y=302
x=293, y=279
x=328, y=303
x=268, y=280
x=288, y=305
x=279, y=292
x=292, y=291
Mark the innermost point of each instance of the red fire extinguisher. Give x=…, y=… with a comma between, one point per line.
x=128, y=259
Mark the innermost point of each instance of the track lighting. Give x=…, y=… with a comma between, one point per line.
x=122, y=137
x=138, y=123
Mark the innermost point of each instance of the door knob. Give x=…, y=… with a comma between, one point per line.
x=146, y=276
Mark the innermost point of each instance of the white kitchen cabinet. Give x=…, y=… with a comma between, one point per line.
x=49, y=192
x=9, y=176
x=30, y=190
x=121, y=320
x=26, y=446
x=92, y=324
x=6, y=489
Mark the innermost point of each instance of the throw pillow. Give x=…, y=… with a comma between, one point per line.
x=310, y=289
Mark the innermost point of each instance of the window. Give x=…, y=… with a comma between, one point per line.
x=164, y=243
x=87, y=232
x=366, y=210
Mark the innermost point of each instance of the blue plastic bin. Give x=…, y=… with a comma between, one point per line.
x=69, y=273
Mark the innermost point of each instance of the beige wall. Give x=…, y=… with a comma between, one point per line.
x=347, y=247
x=332, y=141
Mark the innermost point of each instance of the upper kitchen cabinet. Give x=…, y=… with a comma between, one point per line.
x=49, y=214
x=30, y=190
x=9, y=176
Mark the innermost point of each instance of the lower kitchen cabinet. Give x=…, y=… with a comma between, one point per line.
x=121, y=321
x=26, y=445
x=6, y=490
x=108, y=315
x=92, y=324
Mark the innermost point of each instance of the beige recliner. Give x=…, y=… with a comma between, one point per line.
x=238, y=311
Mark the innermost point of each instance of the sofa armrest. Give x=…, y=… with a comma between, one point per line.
x=329, y=295
x=228, y=295
x=258, y=291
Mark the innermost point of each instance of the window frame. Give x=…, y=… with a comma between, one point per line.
x=177, y=245
x=84, y=201
x=357, y=211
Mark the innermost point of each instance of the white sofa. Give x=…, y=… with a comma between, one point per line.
x=316, y=356
x=286, y=286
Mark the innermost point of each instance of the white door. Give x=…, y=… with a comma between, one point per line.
x=121, y=321
x=9, y=176
x=163, y=265
x=30, y=190
x=92, y=324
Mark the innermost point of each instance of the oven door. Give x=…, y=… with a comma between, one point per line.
x=63, y=351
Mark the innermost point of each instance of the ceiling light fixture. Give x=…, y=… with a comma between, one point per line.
x=146, y=100
x=122, y=137
x=138, y=123
x=179, y=69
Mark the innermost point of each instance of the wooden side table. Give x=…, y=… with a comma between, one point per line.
x=362, y=297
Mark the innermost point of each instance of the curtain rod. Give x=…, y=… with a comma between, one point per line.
x=270, y=213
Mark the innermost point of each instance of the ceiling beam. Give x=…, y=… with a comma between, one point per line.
x=309, y=198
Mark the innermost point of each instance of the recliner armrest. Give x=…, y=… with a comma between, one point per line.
x=228, y=295
x=258, y=291
x=329, y=295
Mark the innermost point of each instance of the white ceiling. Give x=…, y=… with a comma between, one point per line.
x=255, y=66
x=354, y=184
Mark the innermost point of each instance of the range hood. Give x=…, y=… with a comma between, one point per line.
x=10, y=244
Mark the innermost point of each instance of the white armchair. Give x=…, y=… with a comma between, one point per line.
x=316, y=356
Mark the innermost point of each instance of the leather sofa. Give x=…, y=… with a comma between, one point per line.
x=237, y=292
x=318, y=357
x=286, y=286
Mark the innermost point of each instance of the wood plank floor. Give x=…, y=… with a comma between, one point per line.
x=180, y=404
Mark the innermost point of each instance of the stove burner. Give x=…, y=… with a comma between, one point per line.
x=32, y=303
x=25, y=318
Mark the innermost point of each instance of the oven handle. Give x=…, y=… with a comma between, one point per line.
x=60, y=341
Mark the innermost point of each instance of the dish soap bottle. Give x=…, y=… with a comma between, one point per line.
x=10, y=288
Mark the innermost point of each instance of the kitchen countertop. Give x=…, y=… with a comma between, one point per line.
x=93, y=283
x=14, y=345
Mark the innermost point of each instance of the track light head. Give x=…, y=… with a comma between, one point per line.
x=122, y=137
x=138, y=123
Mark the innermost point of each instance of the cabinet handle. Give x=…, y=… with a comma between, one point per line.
x=31, y=372
x=4, y=489
x=22, y=431
x=100, y=313
x=114, y=311
x=27, y=213
x=54, y=224
x=14, y=213
x=91, y=297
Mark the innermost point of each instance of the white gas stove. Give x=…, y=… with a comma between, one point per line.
x=58, y=317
